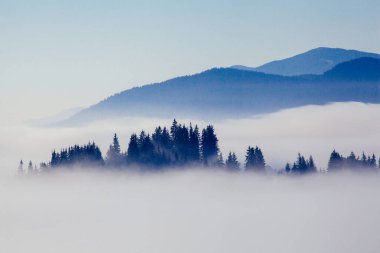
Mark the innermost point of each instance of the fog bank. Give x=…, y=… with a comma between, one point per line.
x=190, y=211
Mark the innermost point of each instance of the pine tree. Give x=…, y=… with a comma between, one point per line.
x=287, y=168
x=311, y=165
x=173, y=129
x=209, y=146
x=352, y=161
x=232, y=162
x=194, y=149
x=364, y=161
x=147, y=155
x=254, y=159
x=114, y=157
x=260, y=162
x=133, y=150
x=302, y=165
x=54, y=159
x=166, y=142
x=86, y=155
x=250, y=159
x=372, y=162
x=182, y=143
x=335, y=161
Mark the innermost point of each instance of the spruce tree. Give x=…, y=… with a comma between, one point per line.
x=133, y=149
x=232, y=162
x=209, y=146
x=335, y=161
x=352, y=161
x=173, y=129
x=311, y=165
x=254, y=159
x=147, y=154
x=194, y=149
x=302, y=165
x=250, y=158
x=114, y=157
x=287, y=168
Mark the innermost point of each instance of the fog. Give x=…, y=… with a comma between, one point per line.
x=311, y=130
x=190, y=211
x=195, y=210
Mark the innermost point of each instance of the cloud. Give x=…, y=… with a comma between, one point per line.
x=190, y=211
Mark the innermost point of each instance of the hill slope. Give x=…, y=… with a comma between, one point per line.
x=226, y=92
x=316, y=61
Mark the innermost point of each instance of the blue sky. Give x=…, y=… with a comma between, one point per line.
x=56, y=55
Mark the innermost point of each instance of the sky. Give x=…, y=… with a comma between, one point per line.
x=57, y=55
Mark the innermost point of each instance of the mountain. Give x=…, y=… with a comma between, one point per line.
x=231, y=93
x=316, y=61
x=353, y=70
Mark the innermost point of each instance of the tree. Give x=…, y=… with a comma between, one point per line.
x=181, y=143
x=147, y=155
x=232, y=162
x=209, y=146
x=114, y=157
x=86, y=155
x=54, y=159
x=364, y=161
x=352, y=161
x=254, y=159
x=173, y=129
x=302, y=165
x=311, y=165
x=287, y=168
x=166, y=142
x=133, y=149
x=194, y=149
x=335, y=161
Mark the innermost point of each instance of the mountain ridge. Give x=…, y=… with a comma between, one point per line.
x=315, y=61
x=228, y=92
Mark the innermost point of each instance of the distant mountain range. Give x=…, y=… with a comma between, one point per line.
x=316, y=61
x=231, y=92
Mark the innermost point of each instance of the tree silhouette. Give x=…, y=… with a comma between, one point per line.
x=184, y=146
x=209, y=146
x=194, y=151
x=86, y=155
x=254, y=159
x=133, y=150
x=114, y=157
x=335, y=161
x=287, y=168
x=303, y=166
x=232, y=162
